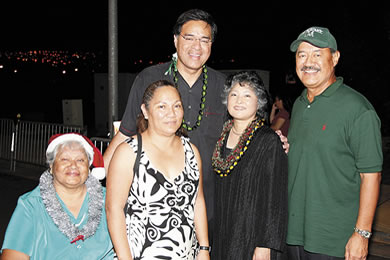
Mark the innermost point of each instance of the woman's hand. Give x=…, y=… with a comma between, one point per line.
x=10, y=254
x=203, y=255
x=261, y=253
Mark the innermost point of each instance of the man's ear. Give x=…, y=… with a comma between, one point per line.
x=335, y=58
x=175, y=41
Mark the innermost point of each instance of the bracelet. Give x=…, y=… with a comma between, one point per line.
x=364, y=233
x=207, y=248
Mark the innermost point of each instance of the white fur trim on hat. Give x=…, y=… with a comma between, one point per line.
x=99, y=173
x=95, y=156
x=60, y=139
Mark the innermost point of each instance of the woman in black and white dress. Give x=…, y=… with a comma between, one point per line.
x=165, y=214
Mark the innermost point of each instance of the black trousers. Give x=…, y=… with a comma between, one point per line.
x=298, y=253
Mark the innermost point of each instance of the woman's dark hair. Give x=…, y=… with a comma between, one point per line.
x=253, y=80
x=195, y=15
x=142, y=123
x=286, y=99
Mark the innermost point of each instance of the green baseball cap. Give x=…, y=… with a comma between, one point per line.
x=317, y=36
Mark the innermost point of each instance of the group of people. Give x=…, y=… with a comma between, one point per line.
x=197, y=170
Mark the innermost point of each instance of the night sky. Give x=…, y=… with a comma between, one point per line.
x=249, y=37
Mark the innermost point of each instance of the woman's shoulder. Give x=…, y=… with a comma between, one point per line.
x=266, y=133
x=284, y=114
x=186, y=141
x=31, y=195
x=131, y=142
x=30, y=200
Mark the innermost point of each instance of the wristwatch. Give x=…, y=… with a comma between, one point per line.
x=363, y=233
x=207, y=248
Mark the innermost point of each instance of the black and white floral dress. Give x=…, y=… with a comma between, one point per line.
x=160, y=212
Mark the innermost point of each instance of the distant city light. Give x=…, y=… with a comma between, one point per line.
x=55, y=59
x=65, y=62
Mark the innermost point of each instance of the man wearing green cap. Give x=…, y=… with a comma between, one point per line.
x=335, y=158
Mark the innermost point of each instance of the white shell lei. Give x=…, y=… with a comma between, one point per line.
x=61, y=219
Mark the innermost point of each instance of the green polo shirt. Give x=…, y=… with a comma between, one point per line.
x=332, y=140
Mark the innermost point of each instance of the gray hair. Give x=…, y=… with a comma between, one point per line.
x=253, y=80
x=51, y=156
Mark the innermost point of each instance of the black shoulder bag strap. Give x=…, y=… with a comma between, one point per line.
x=136, y=163
x=137, y=159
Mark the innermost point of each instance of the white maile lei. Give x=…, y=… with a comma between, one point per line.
x=172, y=66
x=61, y=219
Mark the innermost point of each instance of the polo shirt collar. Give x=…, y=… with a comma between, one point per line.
x=333, y=88
x=329, y=90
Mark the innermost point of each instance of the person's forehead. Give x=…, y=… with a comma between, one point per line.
x=70, y=147
x=165, y=92
x=196, y=25
x=242, y=86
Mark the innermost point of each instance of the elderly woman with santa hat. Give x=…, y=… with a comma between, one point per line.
x=64, y=216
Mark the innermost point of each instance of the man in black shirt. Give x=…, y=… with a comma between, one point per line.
x=200, y=88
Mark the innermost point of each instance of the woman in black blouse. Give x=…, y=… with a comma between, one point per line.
x=251, y=191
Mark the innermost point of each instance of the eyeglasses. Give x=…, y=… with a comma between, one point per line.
x=192, y=39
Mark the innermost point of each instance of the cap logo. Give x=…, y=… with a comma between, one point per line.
x=310, y=32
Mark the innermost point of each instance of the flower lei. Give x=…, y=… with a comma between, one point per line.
x=224, y=166
x=61, y=219
x=173, y=69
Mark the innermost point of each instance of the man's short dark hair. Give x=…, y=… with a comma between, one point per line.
x=195, y=15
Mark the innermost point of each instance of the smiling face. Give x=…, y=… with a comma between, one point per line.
x=164, y=111
x=71, y=167
x=192, y=55
x=315, y=67
x=242, y=102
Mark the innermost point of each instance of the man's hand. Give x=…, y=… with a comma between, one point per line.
x=356, y=248
x=283, y=139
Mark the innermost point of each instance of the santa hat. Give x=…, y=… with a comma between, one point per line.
x=97, y=159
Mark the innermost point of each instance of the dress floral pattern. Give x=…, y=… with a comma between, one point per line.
x=160, y=212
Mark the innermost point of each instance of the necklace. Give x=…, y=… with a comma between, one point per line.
x=61, y=219
x=224, y=166
x=173, y=69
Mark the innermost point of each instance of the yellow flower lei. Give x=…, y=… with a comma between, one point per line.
x=224, y=166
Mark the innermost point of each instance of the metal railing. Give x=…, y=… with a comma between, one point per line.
x=7, y=128
x=100, y=143
x=24, y=141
